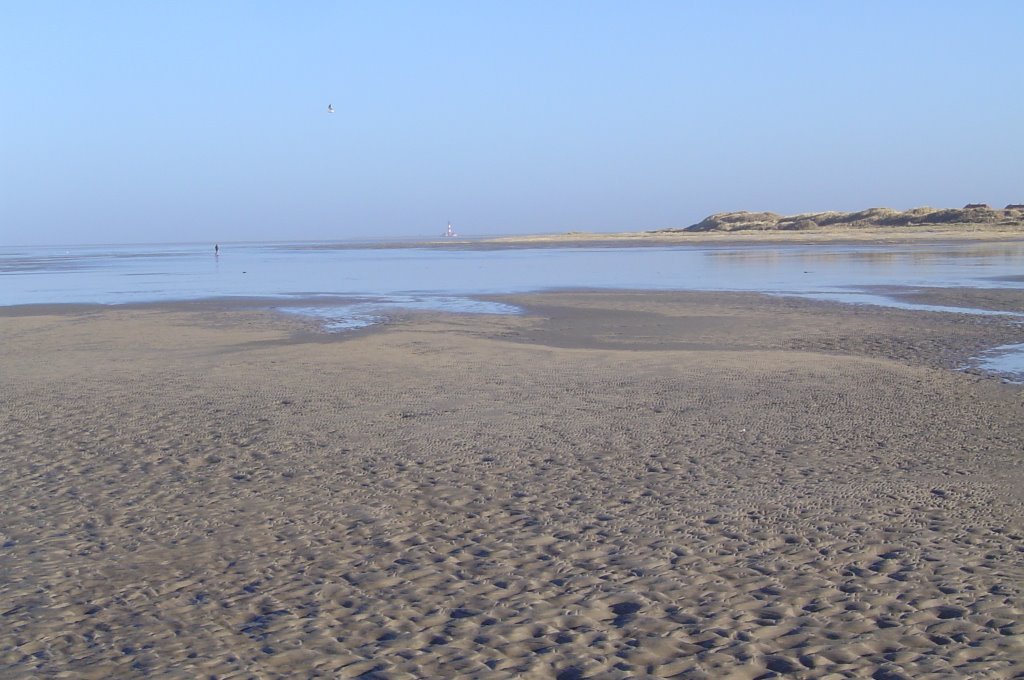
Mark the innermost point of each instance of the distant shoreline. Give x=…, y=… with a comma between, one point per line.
x=931, y=233
x=974, y=221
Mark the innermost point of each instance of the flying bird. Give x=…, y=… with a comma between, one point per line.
x=330, y=108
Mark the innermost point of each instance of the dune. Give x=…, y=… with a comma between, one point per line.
x=975, y=215
x=974, y=222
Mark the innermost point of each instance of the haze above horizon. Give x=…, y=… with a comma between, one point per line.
x=145, y=123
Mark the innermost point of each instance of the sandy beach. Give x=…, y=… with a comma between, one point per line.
x=611, y=485
x=954, y=233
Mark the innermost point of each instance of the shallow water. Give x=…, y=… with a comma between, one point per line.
x=1006, y=360
x=118, y=274
x=374, y=281
x=341, y=316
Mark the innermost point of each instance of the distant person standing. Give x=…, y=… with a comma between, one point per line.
x=216, y=249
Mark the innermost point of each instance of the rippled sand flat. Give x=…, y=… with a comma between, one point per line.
x=613, y=485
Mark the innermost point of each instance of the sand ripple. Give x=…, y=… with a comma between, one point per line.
x=455, y=498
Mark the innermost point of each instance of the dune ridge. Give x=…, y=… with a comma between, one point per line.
x=971, y=214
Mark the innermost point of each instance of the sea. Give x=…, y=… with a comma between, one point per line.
x=350, y=285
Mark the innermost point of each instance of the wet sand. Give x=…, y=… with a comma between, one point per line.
x=613, y=485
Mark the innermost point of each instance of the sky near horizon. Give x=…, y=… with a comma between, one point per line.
x=147, y=122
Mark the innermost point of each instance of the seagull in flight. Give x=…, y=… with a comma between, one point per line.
x=330, y=108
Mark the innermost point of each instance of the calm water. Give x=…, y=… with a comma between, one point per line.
x=359, y=284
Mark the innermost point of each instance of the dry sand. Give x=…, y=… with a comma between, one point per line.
x=954, y=233
x=616, y=485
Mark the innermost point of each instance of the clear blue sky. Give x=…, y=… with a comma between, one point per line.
x=207, y=121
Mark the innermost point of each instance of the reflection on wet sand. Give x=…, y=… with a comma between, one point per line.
x=917, y=255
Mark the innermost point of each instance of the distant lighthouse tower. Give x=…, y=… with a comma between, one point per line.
x=449, y=232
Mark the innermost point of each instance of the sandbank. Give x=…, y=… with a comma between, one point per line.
x=908, y=234
x=611, y=485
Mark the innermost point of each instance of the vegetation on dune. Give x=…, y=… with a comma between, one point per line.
x=971, y=214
